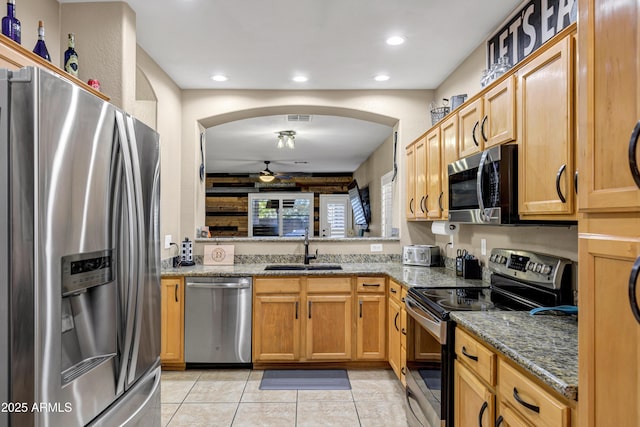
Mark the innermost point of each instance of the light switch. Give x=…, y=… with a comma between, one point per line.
x=376, y=247
x=483, y=246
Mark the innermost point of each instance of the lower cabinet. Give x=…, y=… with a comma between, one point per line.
x=395, y=328
x=316, y=319
x=489, y=390
x=475, y=402
x=172, y=323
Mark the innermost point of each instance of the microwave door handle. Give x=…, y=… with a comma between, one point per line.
x=479, y=194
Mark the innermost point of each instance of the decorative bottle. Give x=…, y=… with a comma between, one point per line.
x=10, y=24
x=41, y=47
x=71, y=57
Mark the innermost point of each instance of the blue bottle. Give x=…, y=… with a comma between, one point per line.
x=10, y=24
x=41, y=48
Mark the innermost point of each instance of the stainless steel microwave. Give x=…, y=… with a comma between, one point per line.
x=483, y=188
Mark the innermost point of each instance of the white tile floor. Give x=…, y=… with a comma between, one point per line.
x=233, y=398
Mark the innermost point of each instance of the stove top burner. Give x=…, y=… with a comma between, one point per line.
x=462, y=304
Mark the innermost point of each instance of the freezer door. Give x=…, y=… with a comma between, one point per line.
x=63, y=292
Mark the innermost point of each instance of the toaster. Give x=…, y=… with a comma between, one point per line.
x=421, y=255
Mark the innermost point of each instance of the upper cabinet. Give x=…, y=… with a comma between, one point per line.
x=449, y=147
x=546, y=133
x=410, y=160
x=416, y=156
x=609, y=113
x=489, y=120
x=433, y=200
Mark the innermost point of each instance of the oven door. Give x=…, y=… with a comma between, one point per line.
x=429, y=391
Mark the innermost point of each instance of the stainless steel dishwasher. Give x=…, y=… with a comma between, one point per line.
x=218, y=321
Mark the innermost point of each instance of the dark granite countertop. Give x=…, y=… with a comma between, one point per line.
x=406, y=276
x=544, y=345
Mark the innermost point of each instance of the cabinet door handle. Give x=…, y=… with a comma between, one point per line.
x=403, y=370
x=484, y=121
x=633, y=284
x=422, y=204
x=377, y=285
x=309, y=309
x=440, y=200
x=558, y=189
x=499, y=421
x=527, y=405
x=404, y=331
x=296, y=310
x=411, y=205
x=484, y=407
x=175, y=292
x=464, y=352
x=425, y=204
x=395, y=321
x=361, y=309
x=633, y=148
x=575, y=182
x=473, y=134
x=393, y=291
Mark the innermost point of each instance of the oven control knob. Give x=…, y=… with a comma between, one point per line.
x=492, y=258
x=529, y=265
x=546, y=269
x=538, y=268
x=503, y=260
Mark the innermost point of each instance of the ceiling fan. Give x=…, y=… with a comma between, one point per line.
x=267, y=175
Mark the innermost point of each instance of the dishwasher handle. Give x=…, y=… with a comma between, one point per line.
x=222, y=285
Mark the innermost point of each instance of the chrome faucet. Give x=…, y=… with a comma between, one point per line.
x=308, y=257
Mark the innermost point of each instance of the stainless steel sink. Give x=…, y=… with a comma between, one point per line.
x=300, y=267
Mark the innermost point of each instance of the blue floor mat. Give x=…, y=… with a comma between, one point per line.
x=303, y=379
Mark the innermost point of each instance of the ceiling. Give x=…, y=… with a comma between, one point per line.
x=335, y=44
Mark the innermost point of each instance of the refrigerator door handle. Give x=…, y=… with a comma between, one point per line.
x=141, y=238
x=129, y=318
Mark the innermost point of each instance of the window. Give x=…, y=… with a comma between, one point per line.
x=335, y=215
x=387, y=204
x=280, y=214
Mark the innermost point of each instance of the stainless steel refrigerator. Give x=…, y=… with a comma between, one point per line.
x=79, y=258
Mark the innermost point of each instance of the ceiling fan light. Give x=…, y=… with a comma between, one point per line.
x=266, y=178
x=280, y=142
x=291, y=142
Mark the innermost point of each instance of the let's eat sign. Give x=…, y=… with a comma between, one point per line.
x=529, y=28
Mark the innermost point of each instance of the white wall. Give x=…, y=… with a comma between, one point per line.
x=29, y=12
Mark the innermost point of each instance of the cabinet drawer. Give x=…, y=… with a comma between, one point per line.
x=476, y=356
x=323, y=285
x=395, y=290
x=530, y=400
x=403, y=328
x=371, y=284
x=277, y=286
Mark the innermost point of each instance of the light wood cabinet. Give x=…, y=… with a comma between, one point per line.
x=329, y=327
x=474, y=401
x=394, y=336
x=421, y=178
x=371, y=323
x=434, y=193
x=609, y=346
x=172, y=323
x=609, y=105
x=489, y=120
x=545, y=106
x=477, y=357
x=277, y=319
x=449, y=143
x=410, y=161
x=509, y=418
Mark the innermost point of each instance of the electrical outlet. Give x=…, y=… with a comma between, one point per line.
x=483, y=246
x=376, y=247
x=167, y=241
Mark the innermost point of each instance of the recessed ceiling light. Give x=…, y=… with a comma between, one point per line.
x=300, y=79
x=395, y=40
x=381, y=78
x=219, y=78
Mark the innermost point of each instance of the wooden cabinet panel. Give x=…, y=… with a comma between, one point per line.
x=609, y=97
x=609, y=369
x=328, y=285
x=449, y=142
x=421, y=178
x=172, y=321
x=276, y=328
x=433, y=200
x=410, y=161
x=545, y=133
x=394, y=336
x=498, y=125
x=469, y=118
x=280, y=285
x=474, y=403
x=509, y=418
x=371, y=324
x=371, y=285
x=395, y=290
x=480, y=359
x=531, y=401
x=329, y=327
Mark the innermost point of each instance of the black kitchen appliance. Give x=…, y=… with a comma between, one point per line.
x=521, y=280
